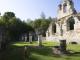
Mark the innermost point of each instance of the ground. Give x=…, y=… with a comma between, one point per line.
x=15, y=51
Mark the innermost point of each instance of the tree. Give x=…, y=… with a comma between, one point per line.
x=9, y=15
x=14, y=26
x=37, y=23
x=30, y=23
x=43, y=15
x=6, y=20
x=40, y=24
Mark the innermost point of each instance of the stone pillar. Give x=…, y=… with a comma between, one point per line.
x=58, y=29
x=25, y=38
x=30, y=38
x=63, y=46
x=40, y=40
x=61, y=30
x=22, y=38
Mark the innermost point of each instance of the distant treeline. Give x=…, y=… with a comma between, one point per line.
x=15, y=27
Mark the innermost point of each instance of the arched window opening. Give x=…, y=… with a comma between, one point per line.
x=70, y=2
x=60, y=6
x=54, y=28
x=64, y=8
x=70, y=24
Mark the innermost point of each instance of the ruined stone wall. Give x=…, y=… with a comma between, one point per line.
x=67, y=25
x=72, y=35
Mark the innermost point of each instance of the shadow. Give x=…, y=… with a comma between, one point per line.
x=41, y=50
x=75, y=54
x=47, y=51
x=12, y=53
x=18, y=53
x=32, y=58
x=44, y=50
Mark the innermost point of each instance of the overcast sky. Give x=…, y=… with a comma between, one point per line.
x=25, y=9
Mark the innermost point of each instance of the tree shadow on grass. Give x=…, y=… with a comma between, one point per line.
x=45, y=50
x=75, y=54
x=41, y=50
x=12, y=53
x=17, y=53
x=32, y=58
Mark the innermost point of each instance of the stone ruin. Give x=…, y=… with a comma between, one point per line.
x=60, y=50
x=66, y=24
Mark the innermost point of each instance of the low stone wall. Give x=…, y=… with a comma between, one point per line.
x=70, y=36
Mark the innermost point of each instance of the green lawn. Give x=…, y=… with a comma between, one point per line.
x=16, y=52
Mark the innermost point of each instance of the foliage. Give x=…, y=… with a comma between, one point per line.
x=14, y=26
x=40, y=25
x=43, y=16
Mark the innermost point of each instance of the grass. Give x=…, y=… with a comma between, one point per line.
x=16, y=52
x=19, y=44
x=46, y=53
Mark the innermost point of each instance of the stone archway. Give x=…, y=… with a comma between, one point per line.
x=70, y=24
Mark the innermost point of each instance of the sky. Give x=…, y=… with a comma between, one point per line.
x=31, y=9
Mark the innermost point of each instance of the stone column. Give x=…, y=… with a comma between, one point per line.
x=40, y=40
x=25, y=38
x=58, y=29
x=61, y=30
x=22, y=38
x=30, y=39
